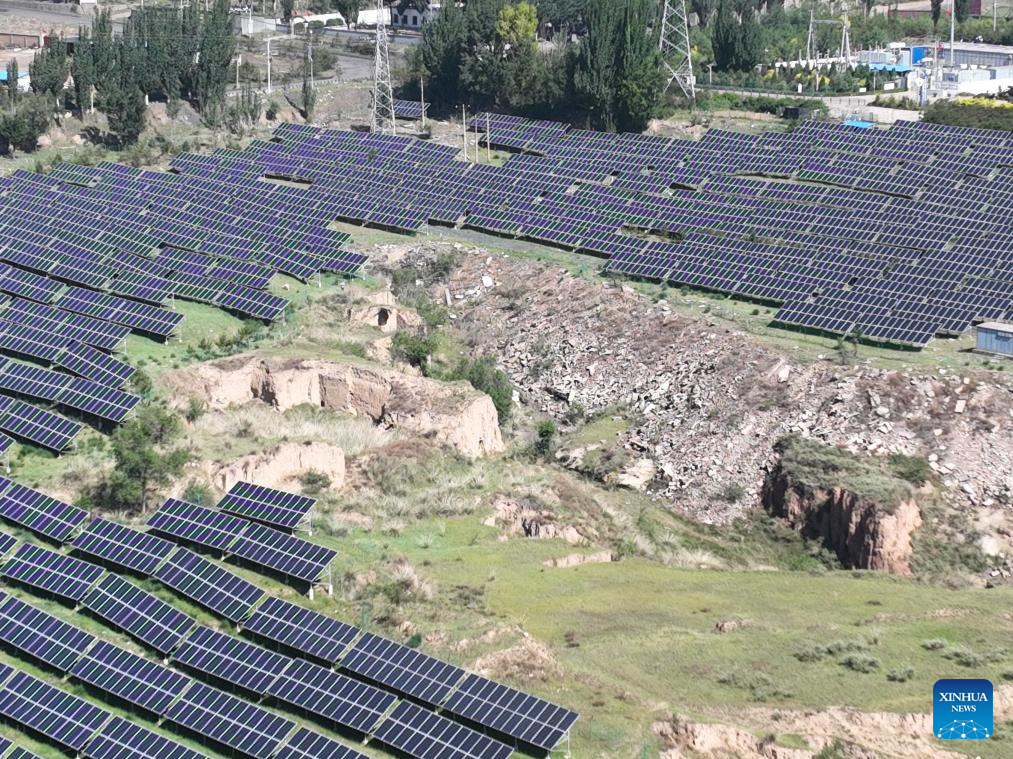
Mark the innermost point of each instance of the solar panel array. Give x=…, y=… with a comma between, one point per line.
x=863, y=237
x=254, y=543
x=366, y=696
x=39, y=512
x=273, y=507
x=90, y=254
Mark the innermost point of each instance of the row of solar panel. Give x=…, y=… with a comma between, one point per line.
x=225, y=593
x=225, y=719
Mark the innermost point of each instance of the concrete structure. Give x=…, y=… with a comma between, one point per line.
x=995, y=337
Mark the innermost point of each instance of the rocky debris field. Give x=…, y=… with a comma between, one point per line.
x=707, y=402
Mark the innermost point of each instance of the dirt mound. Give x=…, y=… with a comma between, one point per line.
x=515, y=518
x=698, y=739
x=528, y=660
x=454, y=414
x=282, y=465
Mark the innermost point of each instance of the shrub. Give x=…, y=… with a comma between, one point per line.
x=914, y=469
x=195, y=409
x=860, y=663
x=485, y=377
x=197, y=492
x=414, y=349
x=900, y=675
x=545, y=438
x=272, y=110
x=934, y=644
x=314, y=482
x=732, y=492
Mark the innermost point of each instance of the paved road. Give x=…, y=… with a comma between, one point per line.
x=48, y=14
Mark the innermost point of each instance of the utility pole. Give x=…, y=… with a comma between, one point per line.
x=953, y=26
x=309, y=59
x=488, y=140
x=422, y=99
x=675, y=48
x=382, y=116
x=464, y=131
x=268, y=65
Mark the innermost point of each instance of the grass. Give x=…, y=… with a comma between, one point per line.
x=818, y=465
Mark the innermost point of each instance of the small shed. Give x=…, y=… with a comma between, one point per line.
x=995, y=337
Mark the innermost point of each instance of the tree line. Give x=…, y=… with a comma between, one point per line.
x=166, y=54
x=485, y=55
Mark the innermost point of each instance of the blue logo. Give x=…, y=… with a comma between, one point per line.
x=962, y=709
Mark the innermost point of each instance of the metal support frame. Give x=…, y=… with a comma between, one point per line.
x=675, y=48
x=843, y=50
x=382, y=110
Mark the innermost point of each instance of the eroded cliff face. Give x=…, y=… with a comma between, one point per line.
x=863, y=534
x=454, y=414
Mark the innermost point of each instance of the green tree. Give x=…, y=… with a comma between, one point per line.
x=126, y=112
x=640, y=77
x=750, y=47
x=309, y=96
x=12, y=82
x=21, y=126
x=82, y=69
x=217, y=46
x=725, y=36
x=595, y=75
x=937, y=13
x=703, y=9
x=962, y=10
x=437, y=58
x=103, y=51
x=146, y=460
x=287, y=6
x=48, y=70
x=517, y=24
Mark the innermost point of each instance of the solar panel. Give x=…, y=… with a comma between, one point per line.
x=511, y=712
x=121, y=739
x=22, y=753
x=197, y=524
x=41, y=635
x=425, y=735
x=60, y=716
x=123, y=546
x=138, y=681
x=282, y=553
x=209, y=585
x=231, y=659
x=300, y=629
x=273, y=507
x=7, y=542
x=324, y=692
x=138, y=613
x=40, y=513
x=51, y=572
x=306, y=744
x=230, y=721
x=37, y=425
x=404, y=669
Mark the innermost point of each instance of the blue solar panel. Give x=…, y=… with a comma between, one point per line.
x=306, y=744
x=197, y=524
x=404, y=669
x=324, y=692
x=138, y=613
x=123, y=546
x=66, y=719
x=51, y=572
x=209, y=585
x=273, y=507
x=231, y=660
x=300, y=629
x=422, y=734
x=285, y=554
x=39, y=512
x=527, y=718
x=230, y=721
x=40, y=635
x=132, y=678
x=121, y=739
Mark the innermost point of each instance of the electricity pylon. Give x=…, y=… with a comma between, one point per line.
x=675, y=49
x=382, y=114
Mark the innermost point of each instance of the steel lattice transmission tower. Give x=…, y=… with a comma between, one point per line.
x=382, y=115
x=675, y=49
